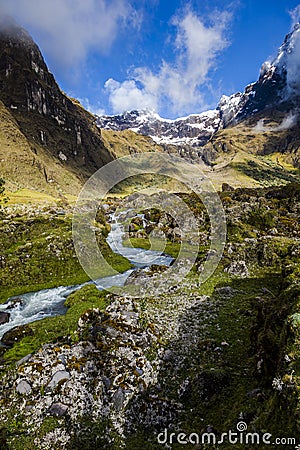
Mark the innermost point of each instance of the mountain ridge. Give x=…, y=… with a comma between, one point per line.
x=274, y=86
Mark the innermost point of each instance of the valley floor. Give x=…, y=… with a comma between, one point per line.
x=117, y=372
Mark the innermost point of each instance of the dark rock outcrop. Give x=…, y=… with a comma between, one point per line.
x=4, y=317
x=16, y=334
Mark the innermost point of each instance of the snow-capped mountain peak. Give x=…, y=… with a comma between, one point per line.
x=279, y=81
x=288, y=49
x=286, y=65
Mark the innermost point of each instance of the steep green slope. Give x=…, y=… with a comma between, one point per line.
x=23, y=167
x=261, y=151
x=127, y=142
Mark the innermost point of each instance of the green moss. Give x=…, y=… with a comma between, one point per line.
x=261, y=218
x=251, y=321
x=170, y=248
x=219, y=277
x=38, y=253
x=267, y=175
x=14, y=435
x=137, y=243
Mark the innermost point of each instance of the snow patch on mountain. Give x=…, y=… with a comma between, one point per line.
x=194, y=130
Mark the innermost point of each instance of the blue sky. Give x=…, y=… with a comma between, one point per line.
x=174, y=57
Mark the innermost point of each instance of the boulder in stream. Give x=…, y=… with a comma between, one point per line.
x=14, y=303
x=4, y=317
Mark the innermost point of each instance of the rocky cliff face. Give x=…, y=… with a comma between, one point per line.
x=47, y=117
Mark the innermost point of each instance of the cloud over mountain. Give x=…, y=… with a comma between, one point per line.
x=69, y=29
x=197, y=45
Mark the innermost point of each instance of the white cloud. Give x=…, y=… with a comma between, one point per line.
x=295, y=15
x=69, y=29
x=288, y=122
x=93, y=108
x=293, y=54
x=197, y=46
x=293, y=65
x=127, y=96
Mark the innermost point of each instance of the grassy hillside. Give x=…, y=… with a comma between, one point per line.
x=127, y=142
x=256, y=152
x=37, y=251
x=24, y=167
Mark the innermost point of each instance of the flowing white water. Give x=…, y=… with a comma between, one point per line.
x=137, y=256
x=50, y=302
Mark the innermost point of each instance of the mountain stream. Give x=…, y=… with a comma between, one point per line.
x=33, y=306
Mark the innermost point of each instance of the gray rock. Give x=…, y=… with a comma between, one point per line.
x=46, y=346
x=23, y=387
x=118, y=399
x=58, y=377
x=238, y=268
x=112, y=332
x=23, y=360
x=14, y=303
x=4, y=317
x=62, y=359
x=106, y=381
x=168, y=355
x=58, y=409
